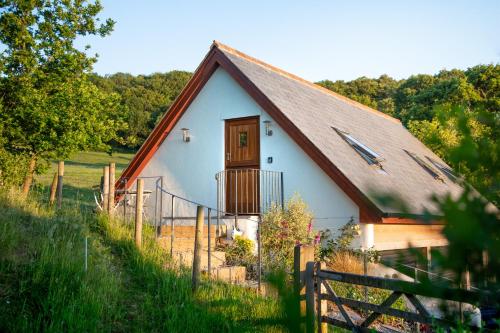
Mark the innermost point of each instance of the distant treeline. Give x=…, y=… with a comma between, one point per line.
x=416, y=97
x=144, y=99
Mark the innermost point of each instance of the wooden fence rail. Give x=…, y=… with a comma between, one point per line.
x=319, y=290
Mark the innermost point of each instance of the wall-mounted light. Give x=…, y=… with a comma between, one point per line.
x=269, y=131
x=186, y=137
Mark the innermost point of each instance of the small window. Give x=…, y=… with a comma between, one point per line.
x=243, y=139
x=448, y=172
x=430, y=170
x=369, y=155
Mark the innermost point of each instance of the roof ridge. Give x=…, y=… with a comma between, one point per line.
x=282, y=72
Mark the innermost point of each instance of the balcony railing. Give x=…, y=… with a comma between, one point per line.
x=248, y=191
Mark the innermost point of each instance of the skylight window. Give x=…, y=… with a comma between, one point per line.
x=430, y=170
x=444, y=169
x=369, y=155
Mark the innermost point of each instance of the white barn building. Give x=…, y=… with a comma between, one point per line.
x=243, y=134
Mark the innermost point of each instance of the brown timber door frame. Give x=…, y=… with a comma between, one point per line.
x=242, y=164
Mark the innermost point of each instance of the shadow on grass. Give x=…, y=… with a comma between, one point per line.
x=43, y=284
x=166, y=297
x=43, y=280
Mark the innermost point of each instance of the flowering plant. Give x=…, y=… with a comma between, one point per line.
x=282, y=229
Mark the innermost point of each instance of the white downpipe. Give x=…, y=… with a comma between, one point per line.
x=367, y=235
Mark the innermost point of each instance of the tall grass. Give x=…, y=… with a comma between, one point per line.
x=43, y=282
x=44, y=286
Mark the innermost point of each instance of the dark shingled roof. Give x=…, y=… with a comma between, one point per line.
x=315, y=110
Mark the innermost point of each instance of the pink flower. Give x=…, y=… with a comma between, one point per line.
x=317, y=238
x=309, y=227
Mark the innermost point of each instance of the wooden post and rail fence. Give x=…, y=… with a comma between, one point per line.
x=312, y=283
x=56, y=188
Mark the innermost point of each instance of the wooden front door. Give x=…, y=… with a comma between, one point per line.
x=242, y=154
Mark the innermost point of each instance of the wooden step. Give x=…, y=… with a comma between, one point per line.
x=185, y=258
x=185, y=244
x=231, y=274
x=188, y=231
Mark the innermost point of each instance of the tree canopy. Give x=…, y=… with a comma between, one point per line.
x=50, y=108
x=144, y=99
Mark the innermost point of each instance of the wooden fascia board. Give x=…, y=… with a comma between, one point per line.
x=161, y=131
x=411, y=221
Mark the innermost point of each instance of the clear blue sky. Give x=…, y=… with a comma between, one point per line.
x=313, y=39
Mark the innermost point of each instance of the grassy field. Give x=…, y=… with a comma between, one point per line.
x=44, y=285
x=81, y=172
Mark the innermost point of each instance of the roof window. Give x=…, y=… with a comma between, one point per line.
x=448, y=172
x=430, y=170
x=369, y=155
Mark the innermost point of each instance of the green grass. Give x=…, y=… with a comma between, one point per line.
x=44, y=286
x=81, y=172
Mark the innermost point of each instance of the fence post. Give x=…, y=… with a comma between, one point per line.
x=53, y=189
x=259, y=255
x=86, y=252
x=111, y=198
x=172, y=228
x=105, y=189
x=365, y=273
x=197, y=247
x=60, y=175
x=301, y=256
x=322, y=304
x=125, y=199
x=209, y=263
x=310, y=304
x=161, y=206
x=138, y=212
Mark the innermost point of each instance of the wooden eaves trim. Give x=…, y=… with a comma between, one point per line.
x=369, y=213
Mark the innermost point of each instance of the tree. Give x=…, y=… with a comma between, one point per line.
x=144, y=99
x=50, y=107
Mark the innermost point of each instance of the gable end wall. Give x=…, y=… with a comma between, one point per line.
x=189, y=168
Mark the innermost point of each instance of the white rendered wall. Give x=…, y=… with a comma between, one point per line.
x=189, y=168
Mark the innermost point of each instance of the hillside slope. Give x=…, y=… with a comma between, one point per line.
x=44, y=285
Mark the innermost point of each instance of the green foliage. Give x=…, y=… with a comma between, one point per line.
x=472, y=227
x=467, y=139
x=240, y=253
x=376, y=93
x=144, y=99
x=44, y=286
x=282, y=229
x=341, y=242
x=340, y=245
x=414, y=98
x=12, y=168
x=50, y=107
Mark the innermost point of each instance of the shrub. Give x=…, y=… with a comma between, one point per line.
x=332, y=247
x=282, y=229
x=240, y=253
x=13, y=168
